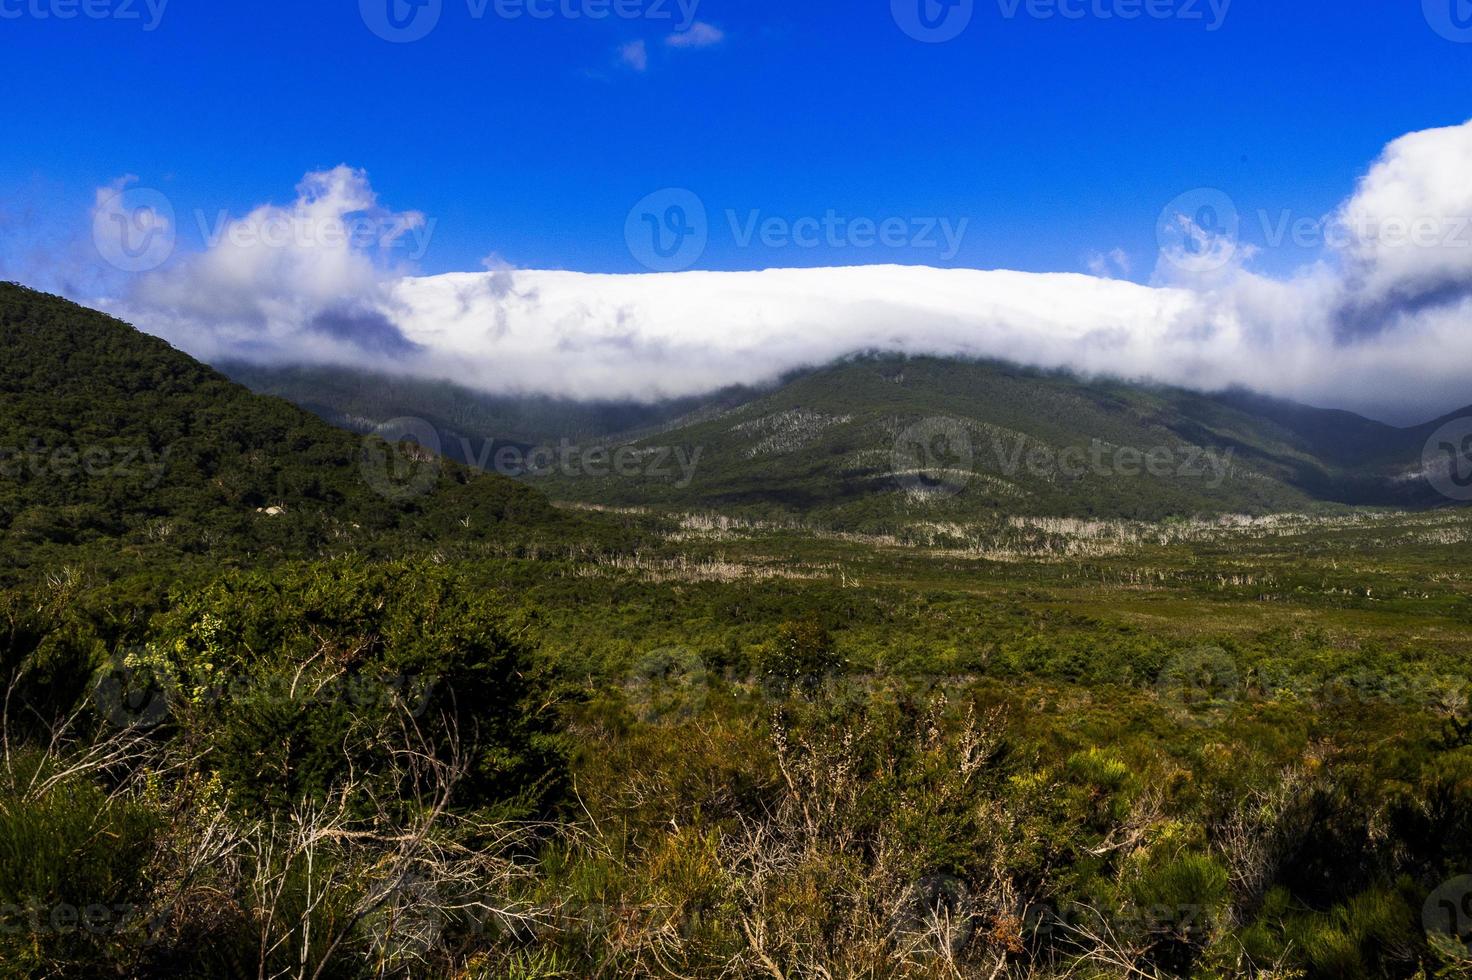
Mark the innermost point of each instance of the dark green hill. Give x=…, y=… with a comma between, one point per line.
x=879, y=439
x=113, y=443
x=465, y=420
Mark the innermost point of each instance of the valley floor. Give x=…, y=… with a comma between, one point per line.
x=1025, y=747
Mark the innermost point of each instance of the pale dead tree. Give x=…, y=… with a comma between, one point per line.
x=382, y=888
x=1146, y=813
x=1104, y=947
x=116, y=757
x=875, y=920
x=120, y=755
x=1262, y=832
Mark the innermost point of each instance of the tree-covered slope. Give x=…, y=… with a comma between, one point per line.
x=465, y=420
x=886, y=438
x=877, y=439
x=114, y=442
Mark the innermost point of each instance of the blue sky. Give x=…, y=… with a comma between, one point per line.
x=1055, y=139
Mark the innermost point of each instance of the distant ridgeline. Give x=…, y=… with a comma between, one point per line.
x=876, y=440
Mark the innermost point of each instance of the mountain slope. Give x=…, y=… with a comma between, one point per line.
x=465, y=420
x=878, y=439
x=886, y=438
x=113, y=441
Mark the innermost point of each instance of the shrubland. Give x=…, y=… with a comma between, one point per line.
x=570, y=767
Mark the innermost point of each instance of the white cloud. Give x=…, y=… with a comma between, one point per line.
x=699, y=35
x=1107, y=266
x=634, y=55
x=1377, y=325
x=1405, y=237
x=311, y=280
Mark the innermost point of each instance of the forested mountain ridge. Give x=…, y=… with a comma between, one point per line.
x=110, y=437
x=876, y=439
x=884, y=439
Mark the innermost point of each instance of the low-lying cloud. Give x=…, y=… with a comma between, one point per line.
x=1379, y=324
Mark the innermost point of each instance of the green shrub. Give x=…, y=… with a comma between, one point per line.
x=74, y=889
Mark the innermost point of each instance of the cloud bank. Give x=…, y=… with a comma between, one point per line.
x=1380, y=324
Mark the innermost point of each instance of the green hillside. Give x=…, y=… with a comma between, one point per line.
x=879, y=440
x=885, y=439
x=114, y=443
x=466, y=420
